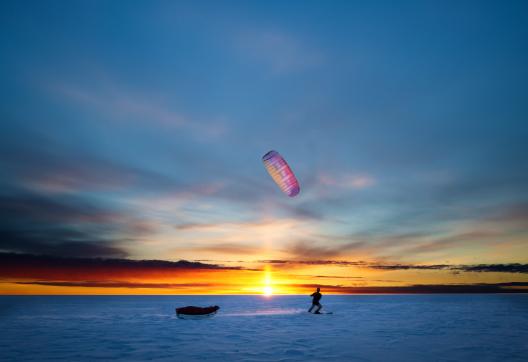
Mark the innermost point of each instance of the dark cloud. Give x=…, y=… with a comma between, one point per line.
x=57, y=242
x=66, y=226
x=97, y=284
x=514, y=287
x=409, y=267
x=54, y=268
x=492, y=268
x=15, y=259
x=495, y=268
x=513, y=284
x=314, y=262
x=46, y=209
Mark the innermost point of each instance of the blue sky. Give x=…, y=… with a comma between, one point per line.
x=136, y=130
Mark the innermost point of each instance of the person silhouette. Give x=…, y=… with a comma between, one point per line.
x=316, y=297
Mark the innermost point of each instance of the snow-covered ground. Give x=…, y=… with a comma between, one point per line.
x=254, y=328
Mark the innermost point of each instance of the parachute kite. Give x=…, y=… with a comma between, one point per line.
x=281, y=173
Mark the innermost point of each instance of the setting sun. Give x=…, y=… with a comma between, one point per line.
x=268, y=291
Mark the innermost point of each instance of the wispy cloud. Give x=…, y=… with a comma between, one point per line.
x=244, y=237
x=280, y=51
x=119, y=103
x=230, y=248
x=347, y=181
x=454, y=240
x=47, y=166
x=263, y=225
x=308, y=249
x=514, y=213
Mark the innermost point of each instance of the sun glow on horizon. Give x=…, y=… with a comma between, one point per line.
x=267, y=290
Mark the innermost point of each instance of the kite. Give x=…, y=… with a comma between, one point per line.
x=281, y=173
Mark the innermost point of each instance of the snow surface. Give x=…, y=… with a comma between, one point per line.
x=254, y=328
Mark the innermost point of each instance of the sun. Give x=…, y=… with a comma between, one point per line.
x=267, y=291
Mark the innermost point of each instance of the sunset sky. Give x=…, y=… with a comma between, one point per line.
x=132, y=135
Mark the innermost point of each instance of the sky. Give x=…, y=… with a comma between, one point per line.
x=132, y=135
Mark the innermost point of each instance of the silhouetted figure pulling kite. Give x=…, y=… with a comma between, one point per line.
x=316, y=297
